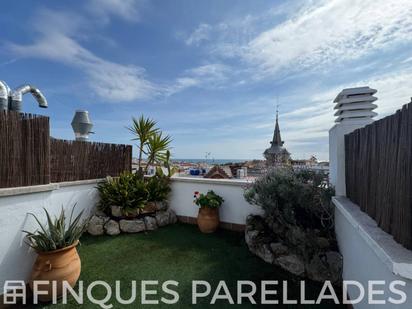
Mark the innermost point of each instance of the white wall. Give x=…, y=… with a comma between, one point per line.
x=16, y=259
x=370, y=254
x=337, y=151
x=235, y=209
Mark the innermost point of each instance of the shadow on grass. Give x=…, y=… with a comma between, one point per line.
x=183, y=254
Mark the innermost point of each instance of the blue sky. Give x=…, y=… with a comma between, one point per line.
x=210, y=72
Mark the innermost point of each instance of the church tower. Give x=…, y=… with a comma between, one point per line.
x=276, y=154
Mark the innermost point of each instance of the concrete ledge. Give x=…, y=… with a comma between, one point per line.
x=229, y=182
x=45, y=188
x=28, y=189
x=80, y=182
x=396, y=257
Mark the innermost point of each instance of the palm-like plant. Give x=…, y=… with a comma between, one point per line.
x=142, y=128
x=157, y=148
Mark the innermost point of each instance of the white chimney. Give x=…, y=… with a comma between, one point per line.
x=354, y=110
x=355, y=103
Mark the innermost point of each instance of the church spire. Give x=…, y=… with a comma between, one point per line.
x=276, y=154
x=277, y=140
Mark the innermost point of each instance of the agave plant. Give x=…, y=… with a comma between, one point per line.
x=56, y=234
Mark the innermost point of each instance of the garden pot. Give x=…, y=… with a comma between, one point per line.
x=59, y=265
x=150, y=207
x=208, y=219
x=132, y=213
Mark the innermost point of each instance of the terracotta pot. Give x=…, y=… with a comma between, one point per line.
x=132, y=213
x=208, y=219
x=59, y=265
x=150, y=207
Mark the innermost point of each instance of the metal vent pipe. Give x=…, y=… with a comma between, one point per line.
x=82, y=125
x=17, y=97
x=4, y=96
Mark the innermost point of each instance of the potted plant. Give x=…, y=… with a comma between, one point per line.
x=208, y=216
x=57, y=257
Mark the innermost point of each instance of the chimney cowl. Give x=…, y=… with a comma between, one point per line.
x=82, y=125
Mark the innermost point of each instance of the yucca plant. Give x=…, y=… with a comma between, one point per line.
x=57, y=234
x=157, y=147
x=142, y=128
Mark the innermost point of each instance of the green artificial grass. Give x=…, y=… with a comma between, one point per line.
x=182, y=253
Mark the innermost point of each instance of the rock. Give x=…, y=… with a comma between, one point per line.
x=296, y=236
x=112, y=227
x=96, y=224
x=161, y=205
x=100, y=213
x=263, y=251
x=325, y=266
x=255, y=223
x=172, y=216
x=150, y=223
x=132, y=226
x=291, y=263
x=116, y=211
x=250, y=238
x=278, y=229
x=278, y=249
x=258, y=247
x=322, y=242
x=162, y=218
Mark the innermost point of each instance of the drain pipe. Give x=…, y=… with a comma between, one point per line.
x=17, y=97
x=4, y=96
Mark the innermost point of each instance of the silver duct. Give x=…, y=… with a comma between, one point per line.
x=17, y=97
x=82, y=125
x=4, y=96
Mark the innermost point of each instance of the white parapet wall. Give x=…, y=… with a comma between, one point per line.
x=234, y=210
x=370, y=254
x=16, y=258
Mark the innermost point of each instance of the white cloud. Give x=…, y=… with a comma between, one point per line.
x=316, y=36
x=207, y=76
x=109, y=80
x=313, y=121
x=129, y=10
x=335, y=31
x=201, y=33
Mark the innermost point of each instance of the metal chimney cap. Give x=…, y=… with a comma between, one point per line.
x=82, y=125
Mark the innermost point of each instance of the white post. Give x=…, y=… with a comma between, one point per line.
x=354, y=110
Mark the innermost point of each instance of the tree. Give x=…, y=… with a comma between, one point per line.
x=151, y=142
x=143, y=129
x=157, y=148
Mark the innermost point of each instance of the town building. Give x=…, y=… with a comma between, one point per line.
x=276, y=154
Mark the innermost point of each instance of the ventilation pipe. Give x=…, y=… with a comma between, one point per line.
x=17, y=97
x=82, y=125
x=4, y=96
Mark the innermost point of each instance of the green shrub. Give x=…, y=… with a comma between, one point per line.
x=127, y=191
x=55, y=235
x=131, y=192
x=300, y=198
x=158, y=188
x=210, y=199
